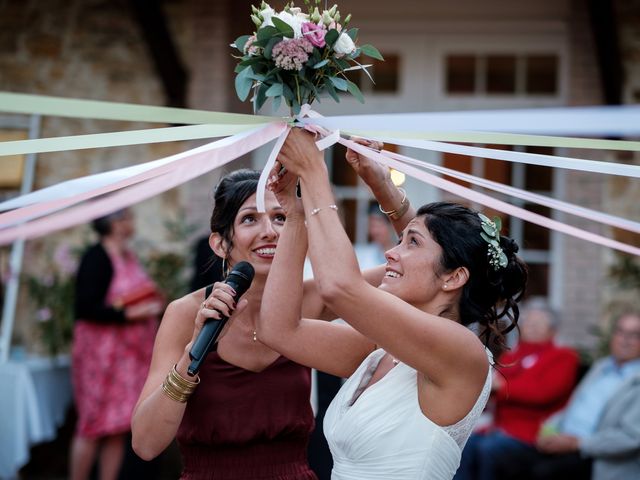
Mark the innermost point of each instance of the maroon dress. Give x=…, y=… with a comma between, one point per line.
x=244, y=425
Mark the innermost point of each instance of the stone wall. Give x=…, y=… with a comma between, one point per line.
x=90, y=49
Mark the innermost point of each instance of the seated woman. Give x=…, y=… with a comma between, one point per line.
x=419, y=378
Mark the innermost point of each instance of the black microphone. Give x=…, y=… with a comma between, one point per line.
x=239, y=279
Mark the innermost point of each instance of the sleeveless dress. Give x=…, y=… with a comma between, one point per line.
x=110, y=361
x=240, y=424
x=383, y=434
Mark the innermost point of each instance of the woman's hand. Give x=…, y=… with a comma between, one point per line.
x=283, y=184
x=299, y=154
x=372, y=173
x=220, y=303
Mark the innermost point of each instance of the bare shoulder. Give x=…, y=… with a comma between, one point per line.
x=179, y=317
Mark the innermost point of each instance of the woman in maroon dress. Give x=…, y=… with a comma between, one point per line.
x=250, y=415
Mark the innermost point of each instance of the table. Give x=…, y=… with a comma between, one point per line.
x=35, y=394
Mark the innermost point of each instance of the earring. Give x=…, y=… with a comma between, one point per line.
x=445, y=286
x=225, y=267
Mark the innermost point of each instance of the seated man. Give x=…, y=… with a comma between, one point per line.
x=533, y=381
x=597, y=436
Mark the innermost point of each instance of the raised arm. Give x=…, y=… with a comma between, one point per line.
x=391, y=199
x=445, y=351
x=330, y=347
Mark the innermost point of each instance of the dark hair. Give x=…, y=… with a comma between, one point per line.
x=102, y=226
x=232, y=191
x=489, y=297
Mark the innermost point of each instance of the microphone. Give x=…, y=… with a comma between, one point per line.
x=239, y=279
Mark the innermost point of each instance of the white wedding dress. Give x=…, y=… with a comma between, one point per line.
x=381, y=432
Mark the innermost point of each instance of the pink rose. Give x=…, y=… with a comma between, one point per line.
x=315, y=34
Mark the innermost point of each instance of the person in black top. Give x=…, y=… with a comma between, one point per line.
x=117, y=308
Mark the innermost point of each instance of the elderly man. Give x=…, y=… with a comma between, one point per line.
x=533, y=381
x=597, y=435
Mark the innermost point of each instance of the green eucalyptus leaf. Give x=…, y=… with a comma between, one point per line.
x=243, y=83
x=269, y=46
x=498, y=222
x=321, y=64
x=283, y=27
x=241, y=41
x=503, y=261
x=332, y=91
x=250, y=61
x=353, y=33
x=371, y=51
x=485, y=237
x=265, y=33
x=261, y=97
x=339, y=83
x=274, y=90
x=488, y=228
x=287, y=92
x=355, y=91
x=331, y=37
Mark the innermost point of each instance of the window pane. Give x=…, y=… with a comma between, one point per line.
x=542, y=74
x=386, y=74
x=538, y=178
x=538, y=281
x=535, y=236
x=501, y=74
x=461, y=163
x=461, y=74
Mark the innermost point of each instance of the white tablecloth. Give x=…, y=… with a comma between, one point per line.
x=34, y=396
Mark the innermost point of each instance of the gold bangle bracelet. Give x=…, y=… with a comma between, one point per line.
x=177, y=387
x=397, y=213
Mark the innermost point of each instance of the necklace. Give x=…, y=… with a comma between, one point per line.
x=255, y=336
x=395, y=362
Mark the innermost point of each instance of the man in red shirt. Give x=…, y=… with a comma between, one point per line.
x=533, y=381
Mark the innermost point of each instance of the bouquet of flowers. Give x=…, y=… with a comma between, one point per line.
x=298, y=56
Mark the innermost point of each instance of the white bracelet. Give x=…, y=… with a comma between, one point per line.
x=316, y=210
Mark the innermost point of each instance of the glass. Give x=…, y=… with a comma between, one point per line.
x=501, y=74
x=542, y=74
x=461, y=74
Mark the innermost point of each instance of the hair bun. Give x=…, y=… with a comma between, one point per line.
x=509, y=245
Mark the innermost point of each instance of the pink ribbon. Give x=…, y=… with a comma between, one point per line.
x=491, y=202
x=147, y=185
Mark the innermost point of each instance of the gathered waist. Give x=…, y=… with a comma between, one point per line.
x=277, y=459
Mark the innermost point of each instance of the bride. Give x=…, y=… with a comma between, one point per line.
x=418, y=377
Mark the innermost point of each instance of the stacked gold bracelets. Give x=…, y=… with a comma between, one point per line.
x=401, y=210
x=178, y=388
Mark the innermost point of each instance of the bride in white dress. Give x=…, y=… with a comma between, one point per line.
x=419, y=378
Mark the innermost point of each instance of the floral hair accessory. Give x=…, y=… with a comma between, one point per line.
x=491, y=234
x=298, y=56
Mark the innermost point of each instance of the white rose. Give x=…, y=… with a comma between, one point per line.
x=266, y=15
x=294, y=21
x=344, y=45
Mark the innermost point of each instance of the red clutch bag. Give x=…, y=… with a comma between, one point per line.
x=145, y=291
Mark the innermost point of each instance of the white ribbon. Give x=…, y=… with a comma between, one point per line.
x=264, y=176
